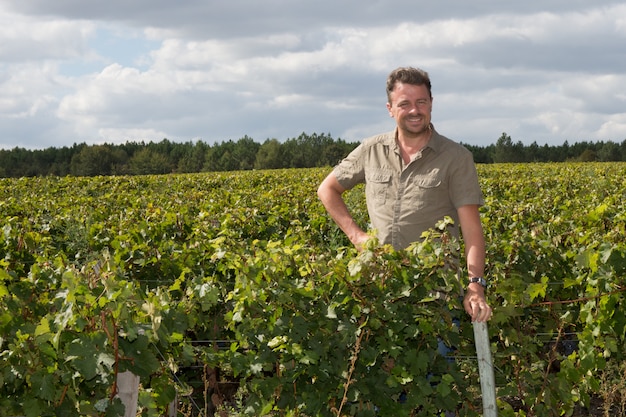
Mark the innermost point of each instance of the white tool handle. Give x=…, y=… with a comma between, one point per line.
x=485, y=369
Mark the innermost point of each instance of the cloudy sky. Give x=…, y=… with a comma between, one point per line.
x=74, y=71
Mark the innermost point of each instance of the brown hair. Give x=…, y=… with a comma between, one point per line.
x=407, y=75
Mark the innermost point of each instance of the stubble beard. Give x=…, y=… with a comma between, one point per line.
x=417, y=132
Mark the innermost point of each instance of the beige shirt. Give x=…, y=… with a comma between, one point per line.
x=405, y=200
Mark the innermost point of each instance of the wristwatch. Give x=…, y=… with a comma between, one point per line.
x=479, y=280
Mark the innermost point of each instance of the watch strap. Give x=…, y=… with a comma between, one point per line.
x=479, y=280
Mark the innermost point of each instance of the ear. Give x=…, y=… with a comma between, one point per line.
x=389, y=109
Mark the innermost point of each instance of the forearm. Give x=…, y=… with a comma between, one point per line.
x=473, y=239
x=329, y=193
x=474, y=242
x=339, y=212
x=475, y=255
x=475, y=303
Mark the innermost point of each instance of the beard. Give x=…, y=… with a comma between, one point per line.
x=415, y=129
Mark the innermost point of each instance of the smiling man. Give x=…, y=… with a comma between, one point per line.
x=413, y=178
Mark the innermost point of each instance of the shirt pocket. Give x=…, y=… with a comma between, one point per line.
x=426, y=190
x=427, y=181
x=378, y=183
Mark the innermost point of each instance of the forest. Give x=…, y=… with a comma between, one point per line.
x=304, y=151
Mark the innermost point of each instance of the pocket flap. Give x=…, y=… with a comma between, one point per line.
x=378, y=176
x=428, y=181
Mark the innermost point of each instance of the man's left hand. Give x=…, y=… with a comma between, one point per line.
x=476, y=305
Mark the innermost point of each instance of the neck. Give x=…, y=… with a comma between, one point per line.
x=411, y=144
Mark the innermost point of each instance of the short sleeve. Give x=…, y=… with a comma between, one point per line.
x=464, y=183
x=350, y=171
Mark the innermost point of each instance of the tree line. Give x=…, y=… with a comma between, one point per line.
x=505, y=150
x=305, y=151
x=164, y=157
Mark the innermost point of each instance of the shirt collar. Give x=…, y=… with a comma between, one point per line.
x=434, y=143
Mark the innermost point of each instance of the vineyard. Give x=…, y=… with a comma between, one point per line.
x=235, y=294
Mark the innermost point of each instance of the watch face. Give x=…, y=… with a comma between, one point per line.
x=481, y=281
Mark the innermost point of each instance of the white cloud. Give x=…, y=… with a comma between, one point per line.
x=614, y=126
x=29, y=39
x=119, y=136
x=547, y=71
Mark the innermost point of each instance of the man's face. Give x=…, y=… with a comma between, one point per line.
x=411, y=106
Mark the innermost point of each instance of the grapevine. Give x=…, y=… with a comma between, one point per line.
x=244, y=276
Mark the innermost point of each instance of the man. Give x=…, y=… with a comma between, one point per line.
x=414, y=177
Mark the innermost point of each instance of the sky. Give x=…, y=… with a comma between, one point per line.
x=87, y=71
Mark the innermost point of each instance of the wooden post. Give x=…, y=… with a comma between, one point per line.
x=172, y=408
x=128, y=392
x=485, y=369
